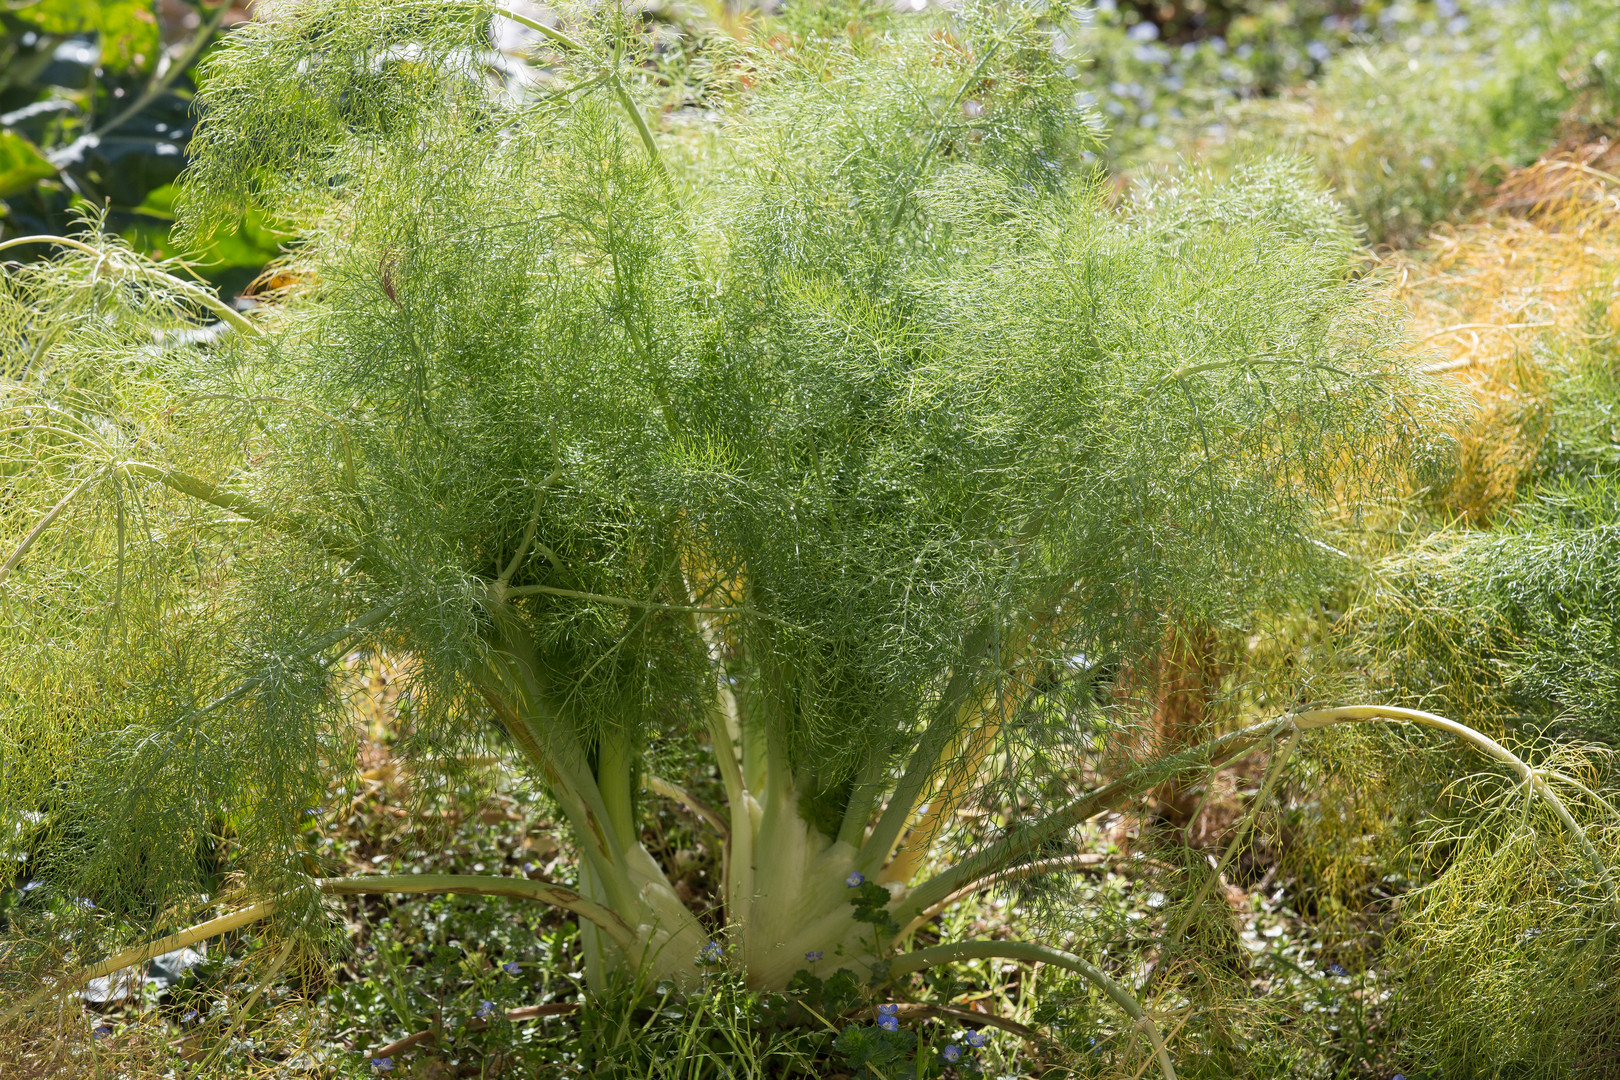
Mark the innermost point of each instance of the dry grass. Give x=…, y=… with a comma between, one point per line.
x=1499, y=302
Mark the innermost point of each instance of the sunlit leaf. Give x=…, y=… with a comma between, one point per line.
x=128, y=30
x=21, y=164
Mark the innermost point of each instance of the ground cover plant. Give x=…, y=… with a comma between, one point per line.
x=821, y=460
x=1156, y=71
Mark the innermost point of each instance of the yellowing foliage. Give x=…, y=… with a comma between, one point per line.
x=1504, y=299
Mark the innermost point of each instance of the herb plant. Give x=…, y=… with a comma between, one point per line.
x=824, y=443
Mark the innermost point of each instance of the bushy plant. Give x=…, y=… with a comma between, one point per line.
x=1417, y=130
x=827, y=451
x=1507, y=610
x=1516, y=620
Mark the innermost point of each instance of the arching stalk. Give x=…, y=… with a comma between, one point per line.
x=1061, y=865
x=659, y=786
x=1028, y=841
x=141, y=953
x=1532, y=777
x=935, y=955
x=369, y=885
x=45, y=522
x=545, y=892
x=1219, y=751
x=620, y=94
x=207, y=299
x=933, y=895
x=241, y=505
x=968, y=753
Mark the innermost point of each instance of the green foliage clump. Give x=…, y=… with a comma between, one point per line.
x=1409, y=140
x=1415, y=131
x=1474, y=948
x=1158, y=71
x=1515, y=621
x=1422, y=133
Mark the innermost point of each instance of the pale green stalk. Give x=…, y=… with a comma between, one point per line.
x=868, y=789
x=499, y=588
x=140, y=953
x=605, y=919
x=934, y=955
x=191, y=292
x=1028, y=840
x=659, y=786
x=595, y=914
x=1531, y=777
x=619, y=601
x=620, y=94
x=1211, y=754
x=923, y=764
x=44, y=523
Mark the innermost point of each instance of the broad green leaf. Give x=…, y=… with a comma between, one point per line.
x=255, y=241
x=21, y=164
x=127, y=28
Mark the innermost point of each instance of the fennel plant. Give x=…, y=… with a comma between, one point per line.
x=812, y=439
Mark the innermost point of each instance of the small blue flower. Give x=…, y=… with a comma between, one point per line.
x=314, y=811
x=855, y=879
x=88, y=905
x=951, y=1053
x=486, y=1009
x=191, y=1015
x=382, y=1064
x=529, y=868
x=103, y=1031
x=31, y=886
x=977, y=1038
x=510, y=967
x=710, y=953
x=888, y=1010
x=813, y=955
x=889, y=1023
x=1398, y=1076
x=1336, y=969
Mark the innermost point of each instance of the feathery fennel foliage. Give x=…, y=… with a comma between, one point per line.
x=1513, y=617
x=1506, y=615
x=807, y=443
